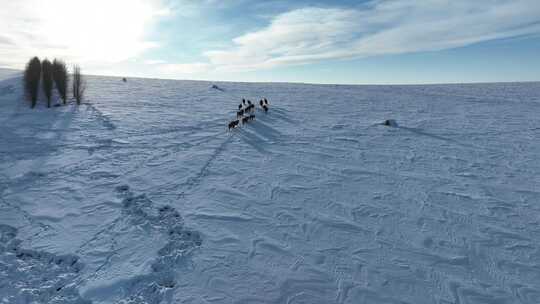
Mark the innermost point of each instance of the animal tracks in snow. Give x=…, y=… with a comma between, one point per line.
x=140, y=227
x=34, y=276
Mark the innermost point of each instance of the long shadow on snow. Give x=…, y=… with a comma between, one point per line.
x=61, y=119
x=253, y=140
x=31, y=148
x=276, y=113
x=258, y=135
x=435, y=136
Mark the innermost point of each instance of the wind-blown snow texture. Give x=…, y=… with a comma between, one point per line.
x=143, y=196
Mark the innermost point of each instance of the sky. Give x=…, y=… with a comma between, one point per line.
x=340, y=42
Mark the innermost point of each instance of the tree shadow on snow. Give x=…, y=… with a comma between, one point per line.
x=45, y=127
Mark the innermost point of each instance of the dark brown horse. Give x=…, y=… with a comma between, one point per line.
x=233, y=124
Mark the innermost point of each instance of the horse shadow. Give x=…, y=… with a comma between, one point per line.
x=259, y=135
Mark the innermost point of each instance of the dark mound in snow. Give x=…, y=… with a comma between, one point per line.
x=215, y=87
x=390, y=123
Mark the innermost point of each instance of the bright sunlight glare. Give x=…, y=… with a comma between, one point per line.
x=98, y=30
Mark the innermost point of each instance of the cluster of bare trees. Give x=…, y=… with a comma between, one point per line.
x=52, y=74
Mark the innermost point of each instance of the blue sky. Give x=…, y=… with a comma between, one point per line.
x=356, y=42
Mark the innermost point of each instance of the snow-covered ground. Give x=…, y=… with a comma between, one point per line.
x=141, y=195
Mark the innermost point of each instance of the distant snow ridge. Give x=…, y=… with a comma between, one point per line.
x=152, y=288
x=30, y=276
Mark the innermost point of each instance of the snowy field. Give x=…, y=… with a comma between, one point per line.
x=143, y=196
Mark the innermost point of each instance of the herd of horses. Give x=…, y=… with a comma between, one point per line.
x=246, y=112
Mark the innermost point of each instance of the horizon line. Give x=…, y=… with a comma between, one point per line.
x=305, y=83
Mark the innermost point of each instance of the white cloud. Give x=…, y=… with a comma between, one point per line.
x=86, y=32
x=379, y=27
x=154, y=62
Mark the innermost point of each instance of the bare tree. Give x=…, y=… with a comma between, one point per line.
x=32, y=74
x=61, y=78
x=47, y=80
x=78, y=84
